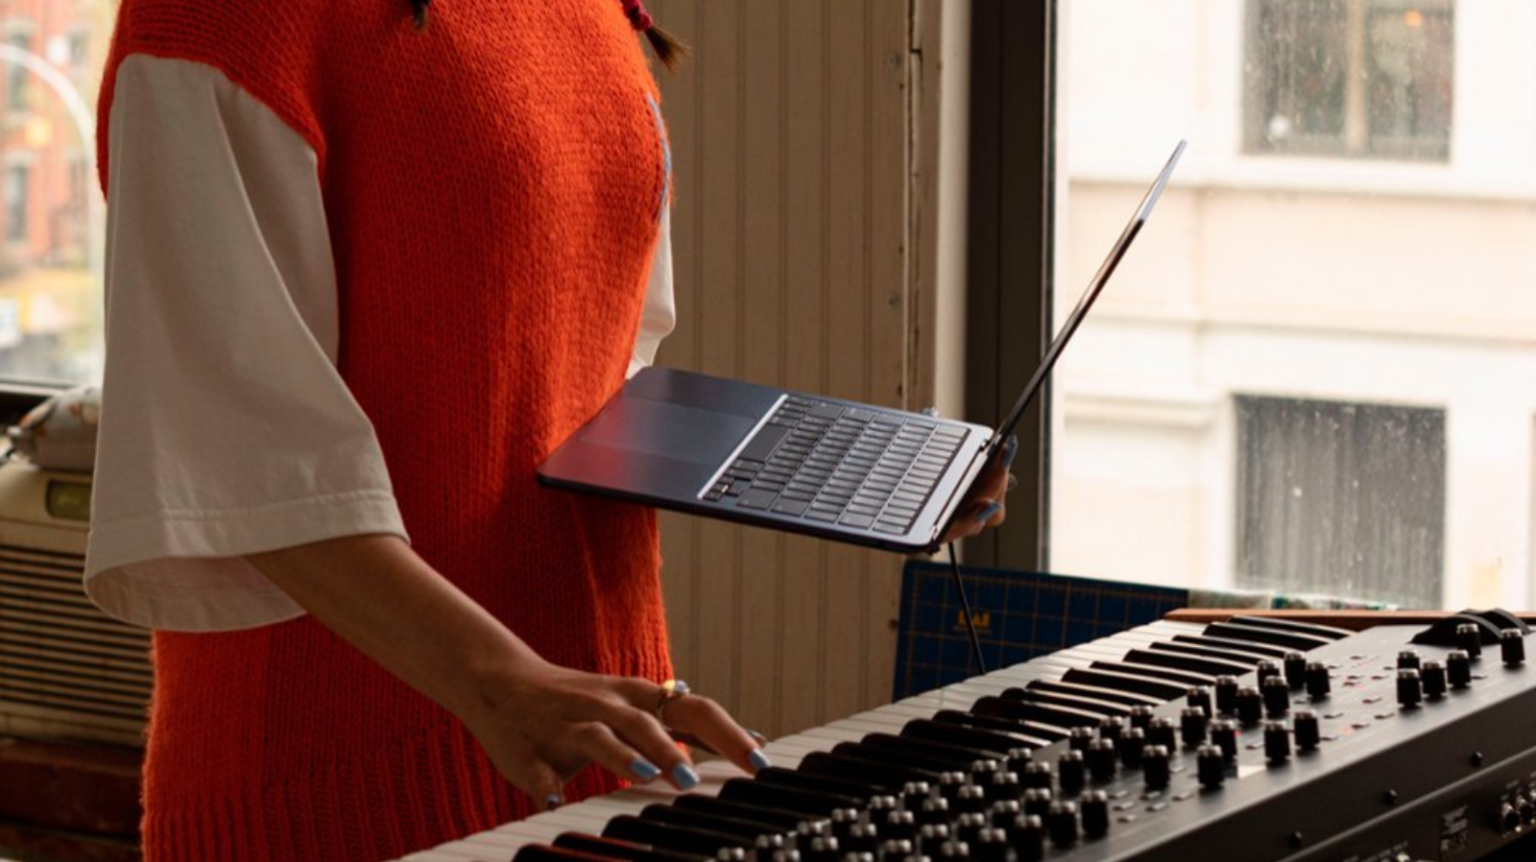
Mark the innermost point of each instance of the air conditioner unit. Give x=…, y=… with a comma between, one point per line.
x=67, y=671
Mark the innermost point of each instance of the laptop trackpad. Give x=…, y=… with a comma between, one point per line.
x=668, y=430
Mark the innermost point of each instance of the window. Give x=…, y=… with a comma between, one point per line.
x=1350, y=77
x=1331, y=494
x=51, y=56
x=1355, y=330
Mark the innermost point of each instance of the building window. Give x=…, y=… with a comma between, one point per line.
x=16, y=82
x=17, y=180
x=1341, y=499
x=1367, y=78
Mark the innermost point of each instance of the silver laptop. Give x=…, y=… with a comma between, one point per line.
x=798, y=462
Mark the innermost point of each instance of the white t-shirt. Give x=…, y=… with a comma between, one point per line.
x=226, y=428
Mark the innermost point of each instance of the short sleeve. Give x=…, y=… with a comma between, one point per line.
x=226, y=428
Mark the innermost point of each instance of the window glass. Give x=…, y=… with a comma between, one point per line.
x=1315, y=371
x=50, y=261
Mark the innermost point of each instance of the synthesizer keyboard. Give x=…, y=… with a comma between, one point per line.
x=1254, y=739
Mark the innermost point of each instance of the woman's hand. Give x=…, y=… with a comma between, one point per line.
x=986, y=504
x=544, y=723
x=539, y=723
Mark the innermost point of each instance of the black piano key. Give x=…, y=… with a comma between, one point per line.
x=1267, y=635
x=1177, y=661
x=777, y=817
x=1064, y=717
x=1261, y=650
x=750, y=792
x=1030, y=735
x=1050, y=698
x=819, y=783
x=959, y=757
x=684, y=839
x=921, y=761
x=1248, y=660
x=1184, y=677
x=546, y=853
x=613, y=848
x=995, y=744
x=1129, y=698
x=1332, y=633
x=849, y=762
x=744, y=830
x=1161, y=689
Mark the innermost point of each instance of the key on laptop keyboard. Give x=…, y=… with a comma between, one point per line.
x=834, y=464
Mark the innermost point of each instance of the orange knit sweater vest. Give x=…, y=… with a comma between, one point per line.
x=492, y=186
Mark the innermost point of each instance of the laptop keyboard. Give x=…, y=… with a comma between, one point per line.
x=835, y=464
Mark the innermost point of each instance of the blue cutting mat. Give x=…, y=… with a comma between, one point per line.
x=1019, y=615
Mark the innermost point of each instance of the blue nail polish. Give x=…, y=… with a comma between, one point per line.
x=684, y=776
x=986, y=514
x=552, y=801
x=1010, y=450
x=644, y=769
x=759, y=759
x=757, y=736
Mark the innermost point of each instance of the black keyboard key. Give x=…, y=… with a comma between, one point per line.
x=1332, y=633
x=763, y=443
x=613, y=848
x=1100, y=706
x=997, y=744
x=1228, y=643
x=679, y=838
x=907, y=758
x=1247, y=659
x=957, y=756
x=881, y=775
x=1186, y=678
x=1266, y=635
x=856, y=520
x=750, y=792
x=1178, y=661
x=818, y=783
x=1039, y=713
x=790, y=506
x=546, y=853
x=744, y=830
x=1030, y=735
x=756, y=498
x=1129, y=698
x=1127, y=682
x=779, y=818
x=823, y=410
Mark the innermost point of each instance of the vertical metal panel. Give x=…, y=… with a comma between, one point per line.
x=789, y=129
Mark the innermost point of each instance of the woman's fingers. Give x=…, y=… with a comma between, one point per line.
x=639, y=728
x=701, y=717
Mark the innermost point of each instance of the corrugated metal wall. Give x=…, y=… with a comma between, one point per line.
x=790, y=136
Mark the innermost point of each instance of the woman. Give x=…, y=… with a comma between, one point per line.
x=345, y=234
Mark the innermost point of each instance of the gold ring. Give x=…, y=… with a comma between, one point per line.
x=672, y=689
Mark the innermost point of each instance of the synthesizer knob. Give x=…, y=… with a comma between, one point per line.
x=950, y=784
x=1408, y=660
x=1103, y=760
x=968, y=826
x=1224, y=736
x=1037, y=801
x=1317, y=680
x=991, y=845
x=1111, y=728
x=1458, y=668
x=1433, y=676
x=1250, y=706
x=1095, y=814
x=1192, y=726
x=1512, y=647
x=1469, y=639
x=1277, y=696
x=1061, y=823
x=843, y=820
x=1277, y=743
x=1004, y=785
x=1141, y=716
x=1162, y=732
x=822, y=848
x=878, y=805
x=1410, y=690
x=1038, y=775
x=1296, y=669
x=1080, y=737
x=862, y=838
x=899, y=825
x=1307, y=729
x=1027, y=835
x=1005, y=812
x=1155, y=764
x=983, y=770
x=1211, y=766
x=1130, y=745
x=971, y=799
x=1018, y=758
x=1226, y=695
x=931, y=837
x=895, y=848
x=1199, y=698
x=1071, y=773
x=1266, y=670
x=934, y=811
